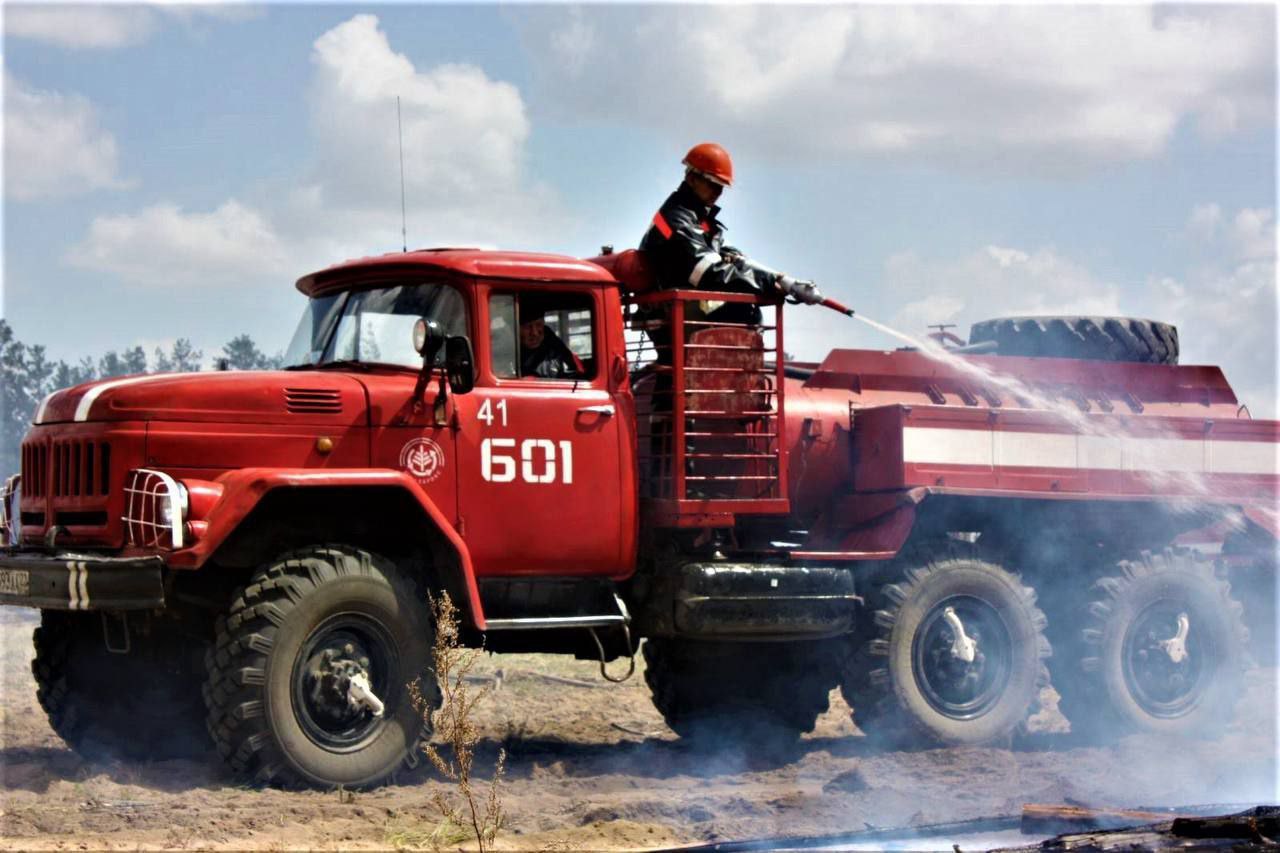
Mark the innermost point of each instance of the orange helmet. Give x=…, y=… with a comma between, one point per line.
x=712, y=162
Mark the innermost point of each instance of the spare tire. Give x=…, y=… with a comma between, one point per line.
x=1097, y=338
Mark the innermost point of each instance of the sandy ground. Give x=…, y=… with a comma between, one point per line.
x=593, y=767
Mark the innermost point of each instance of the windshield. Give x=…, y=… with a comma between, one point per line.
x=374, y=325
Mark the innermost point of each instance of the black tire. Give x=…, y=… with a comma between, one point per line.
x=272, y=720
x=1254, y=586
x=906, y=686
x=100, y=702
x=724, y=691
x=1117, y=677
x=1098, y=338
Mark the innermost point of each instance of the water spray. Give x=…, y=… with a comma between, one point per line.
x=1140, y=446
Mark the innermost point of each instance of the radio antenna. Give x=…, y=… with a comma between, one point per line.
x=404, y=233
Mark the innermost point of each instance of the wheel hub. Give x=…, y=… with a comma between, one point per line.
x=1164, y=660
x=962, y=657
x=963, y=648
x=339, y=682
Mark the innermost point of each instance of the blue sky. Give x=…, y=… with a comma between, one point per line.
x=170, y=170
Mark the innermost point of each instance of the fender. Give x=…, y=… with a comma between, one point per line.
x=219, y=506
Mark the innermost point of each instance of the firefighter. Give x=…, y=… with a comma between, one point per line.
x=684, y=247
x=542, y=353
x=685, y=243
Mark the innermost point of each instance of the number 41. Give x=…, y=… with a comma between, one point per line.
x=486, y=412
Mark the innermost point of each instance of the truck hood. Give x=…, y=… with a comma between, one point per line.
x=260, y=397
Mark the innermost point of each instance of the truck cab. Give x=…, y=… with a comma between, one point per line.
x=558, y=443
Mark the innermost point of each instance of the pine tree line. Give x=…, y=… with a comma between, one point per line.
x=28, y=376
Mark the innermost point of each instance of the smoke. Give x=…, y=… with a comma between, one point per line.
x=1145, y=452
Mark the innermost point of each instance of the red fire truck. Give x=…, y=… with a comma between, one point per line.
x=246, y=556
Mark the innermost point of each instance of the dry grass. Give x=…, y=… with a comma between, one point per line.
x=455, y=727
x=417, y=836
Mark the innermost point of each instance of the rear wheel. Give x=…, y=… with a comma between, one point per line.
x=1162, y=649
x=954, y=656
x=303, y=647
x=738, y=691
x=99, y=701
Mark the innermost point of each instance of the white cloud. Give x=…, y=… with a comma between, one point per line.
x=1225, y=309
x=53, y=145
x=993, y=281
x=1042, y=89
x=107, y=27
x=1204, y=222
x=92, y=27
x=464, y=134
x=1231, y=302
x=465, y=138
x=164, y=246
x=1252, y=235
x=574, y=43
x=1228, y=317
x=1248, y=236
x=464, y=150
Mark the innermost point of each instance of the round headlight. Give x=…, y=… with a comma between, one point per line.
x=167, y=506
x=419, y=335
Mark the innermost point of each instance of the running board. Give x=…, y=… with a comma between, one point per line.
x=539, y=623
x=621, y=619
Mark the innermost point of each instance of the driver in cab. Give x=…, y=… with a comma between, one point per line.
x=542, y=353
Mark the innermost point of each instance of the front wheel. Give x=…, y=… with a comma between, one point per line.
x=98, y=700
x=955, y=657
x=309, y=679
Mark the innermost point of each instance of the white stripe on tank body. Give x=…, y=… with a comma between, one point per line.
x=989, y=448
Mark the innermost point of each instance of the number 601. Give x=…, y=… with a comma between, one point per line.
x=539, y=461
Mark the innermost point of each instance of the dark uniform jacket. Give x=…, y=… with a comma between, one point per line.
x=683, y=246
x=551, y=360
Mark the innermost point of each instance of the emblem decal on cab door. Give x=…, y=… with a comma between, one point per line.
x=423, y=459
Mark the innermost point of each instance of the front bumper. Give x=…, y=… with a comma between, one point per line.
x=68, y=581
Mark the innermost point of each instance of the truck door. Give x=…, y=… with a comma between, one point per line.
x=376, y=329
x=538, y=439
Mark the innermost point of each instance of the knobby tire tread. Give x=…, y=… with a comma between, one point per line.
x=867, y=684
x=690, y=690
x=1115, y=339
x=236, y=663
x=1077, y=673
x=93, y=719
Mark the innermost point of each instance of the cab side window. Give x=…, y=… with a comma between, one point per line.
x=542, y=335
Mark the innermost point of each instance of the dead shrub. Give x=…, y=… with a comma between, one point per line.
x=455, y=728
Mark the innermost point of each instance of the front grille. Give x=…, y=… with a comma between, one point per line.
x=312, y=401
x=71, y=468
x=73, y=480
x=35, y=469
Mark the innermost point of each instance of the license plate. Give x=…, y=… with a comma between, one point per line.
x=15, y=582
